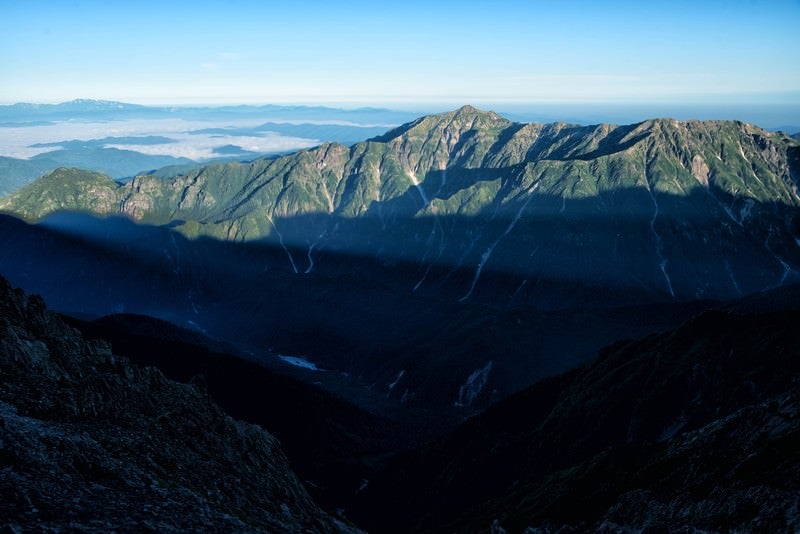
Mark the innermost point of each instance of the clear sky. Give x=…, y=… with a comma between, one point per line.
x=403, y=52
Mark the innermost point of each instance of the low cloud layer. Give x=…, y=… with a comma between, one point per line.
x=18, y=142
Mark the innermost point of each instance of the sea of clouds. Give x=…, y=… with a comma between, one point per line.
x=18, y=141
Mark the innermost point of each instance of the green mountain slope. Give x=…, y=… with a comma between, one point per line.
x=472, y=188
x=16, y=173
x=67, y=190
x=561, y=160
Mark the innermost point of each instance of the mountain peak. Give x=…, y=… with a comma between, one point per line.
x=454, y=122
x=468, y=110
x=473, y=112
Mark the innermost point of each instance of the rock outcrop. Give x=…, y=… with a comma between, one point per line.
x=89, y=441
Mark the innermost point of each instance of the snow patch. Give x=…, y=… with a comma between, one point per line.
x=488, y=253
x=746, y=210
x=310, y=250
x=662, y=261
x=741, y=151
x=299, y=361
x=787, y=269
x=419, y=188
x=280, y=239
x=396, y=380
x=733, y=278
x=470, y=390
x=424, y=276
x=524, y=282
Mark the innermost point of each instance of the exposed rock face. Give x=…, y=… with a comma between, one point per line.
x=90, y=442
x=700, y=170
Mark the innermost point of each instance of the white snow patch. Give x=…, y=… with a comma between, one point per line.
x=662, y=261
x=396, y=380
x=741, y=151
x=521, y=285
x=746, y=210
x=280, y=239
x=419, y=188
x=299, y=361
x=310, y=250
x=787, y=269
x=733, y=279
x=470, y=390
x=424, y=276
x=488, y=253
x=310, y=259
x=190, y=297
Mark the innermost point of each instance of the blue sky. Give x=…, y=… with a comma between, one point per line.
x=400, y=53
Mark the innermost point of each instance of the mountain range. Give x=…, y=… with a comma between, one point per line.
x=509, y=325
x=83, y=109
x=674, y=209
x=186, y=135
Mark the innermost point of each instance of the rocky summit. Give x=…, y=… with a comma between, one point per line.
x=90, y=442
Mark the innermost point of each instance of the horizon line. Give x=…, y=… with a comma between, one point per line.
x=771, y=99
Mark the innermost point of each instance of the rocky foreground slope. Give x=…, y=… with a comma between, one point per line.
x=91, y=442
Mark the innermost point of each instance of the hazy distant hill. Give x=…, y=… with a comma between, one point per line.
x=224, y=139
x=345, y=134
x=87, y=109
x=16, y=173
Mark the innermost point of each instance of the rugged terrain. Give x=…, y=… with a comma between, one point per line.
x=441, y=264
x=330, y=443
x=657, y=210
x=89, y=441
x=381, y=294
x=354, y=317
x=695, y=429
